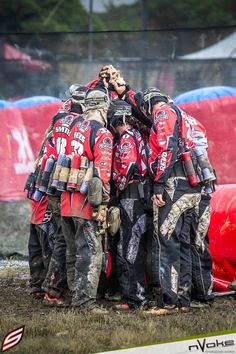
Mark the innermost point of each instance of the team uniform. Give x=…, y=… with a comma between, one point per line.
x=84, y=248
x=171, y=242
x=40, y=244
x=55, y=282
x=129, y=170
x=202, y=276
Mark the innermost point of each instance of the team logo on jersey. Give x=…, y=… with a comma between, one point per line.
x=67, y=120
x=126, y=136
x=47, y=216
x=106, y=143
x=160, y=115
x=126, y=146
x=84, y=125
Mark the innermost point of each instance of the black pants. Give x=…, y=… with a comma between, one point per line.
x=202, y=278
x=131, y=251
x=55, y=282
x=40, y=251
x=172, y=224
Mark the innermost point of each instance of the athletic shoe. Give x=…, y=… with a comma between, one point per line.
x=37, y=294
x=53, y=301
x=122, y=307
x=157, y=311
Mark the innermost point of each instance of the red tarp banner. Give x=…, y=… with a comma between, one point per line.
x=22, y=131
x=218, y=117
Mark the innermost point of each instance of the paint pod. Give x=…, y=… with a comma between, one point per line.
x=56, y=174
x=37, y=195
x=189, y=168
x=95, y=192
x=82, y=171
x=64, y=174
x=41, y=169
x=204, y=164
x=51, y=190
x=88, y=176
x=46, y=174
x=73, y=175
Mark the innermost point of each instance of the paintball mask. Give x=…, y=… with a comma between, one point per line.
x=151, y=96
x=78, y=97
x=119, y=111
x=68, y=93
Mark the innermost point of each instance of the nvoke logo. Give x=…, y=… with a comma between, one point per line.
x=203, y=345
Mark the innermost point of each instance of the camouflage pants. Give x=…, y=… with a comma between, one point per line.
x=55, y=281
x=40, y=250
x=173, y=250
x=202, y=278
x=83, y=259
x=131, y=251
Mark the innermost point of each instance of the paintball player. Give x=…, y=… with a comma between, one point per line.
x=202, y=277
x=40, y=242
x=129, y=171
x=82, y=217
x=176, y=194
x=55, y=283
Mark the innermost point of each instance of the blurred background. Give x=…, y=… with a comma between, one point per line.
x=175, y=45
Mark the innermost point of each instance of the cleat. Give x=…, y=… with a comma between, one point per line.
x=199, y=304
x=114, y=297
x=53, y=301
x=122, y=307
x=97, y=310
x=182, y=309
x=37, y=294
x=157, y=311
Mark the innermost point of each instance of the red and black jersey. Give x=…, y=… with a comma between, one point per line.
x=198, y=131
x=40, y=212
x=92, y=140
x=164, y=143
x=49, y=146
x=62, y=125
x=129, y=159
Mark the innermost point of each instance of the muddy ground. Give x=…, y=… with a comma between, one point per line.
x=52, y=330
x=59, y=331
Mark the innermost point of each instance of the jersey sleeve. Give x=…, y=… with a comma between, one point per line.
x=163, y=147
x=103, y=159
x=125, y=161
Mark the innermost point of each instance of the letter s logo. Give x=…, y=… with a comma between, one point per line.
x=12, y=339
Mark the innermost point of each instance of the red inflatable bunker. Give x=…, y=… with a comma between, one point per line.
x=222, y=235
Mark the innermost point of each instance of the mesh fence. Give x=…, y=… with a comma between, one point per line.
x=45, y=64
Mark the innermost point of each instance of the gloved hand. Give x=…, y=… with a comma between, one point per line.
x=119, y=85
x=101, y=214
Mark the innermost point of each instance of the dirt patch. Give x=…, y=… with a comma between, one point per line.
x=52, y=330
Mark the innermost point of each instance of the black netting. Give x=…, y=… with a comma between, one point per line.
x=45, y=64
